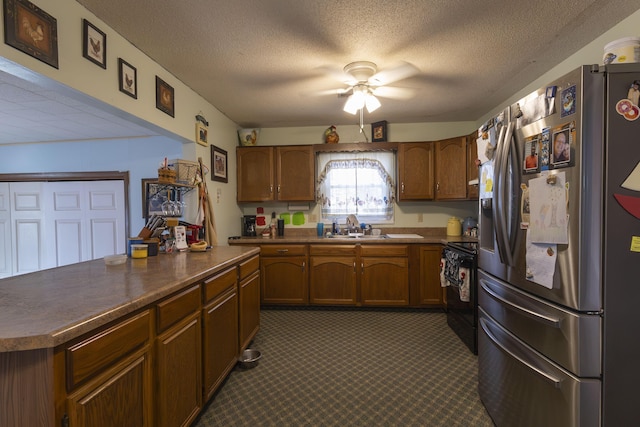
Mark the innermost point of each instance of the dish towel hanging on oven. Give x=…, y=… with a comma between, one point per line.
x=443, y=280
x=464, y=285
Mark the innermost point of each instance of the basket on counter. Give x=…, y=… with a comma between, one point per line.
x=185, y=171
x=166, y=176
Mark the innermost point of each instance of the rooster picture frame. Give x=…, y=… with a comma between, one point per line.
x=31, y=30
x=165, y=97
x=127, y=78
x=94, y=44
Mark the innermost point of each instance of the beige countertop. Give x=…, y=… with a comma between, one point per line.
x=308, y=236
x=50, y=307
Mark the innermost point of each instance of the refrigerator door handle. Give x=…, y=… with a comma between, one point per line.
x=556, y=382
x=497, y=185
x=527, y=311
x=499, y=213
x=510, y=232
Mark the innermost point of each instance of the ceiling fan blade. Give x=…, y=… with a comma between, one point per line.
x=340, y=92
x=394, y=74
x=339, y=75
x=393, y=92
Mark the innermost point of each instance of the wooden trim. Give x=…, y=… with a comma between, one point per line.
x=355, y=147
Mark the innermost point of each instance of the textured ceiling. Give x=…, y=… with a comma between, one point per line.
x=258, y=61
x=262, y=62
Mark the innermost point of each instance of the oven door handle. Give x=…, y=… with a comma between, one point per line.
x=556, y=382
x=529, y=312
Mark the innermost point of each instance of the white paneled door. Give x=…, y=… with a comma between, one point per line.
x=59, y=223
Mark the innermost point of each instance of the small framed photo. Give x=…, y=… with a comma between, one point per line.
x=164, y=97
x=219, y=164
x=379, y=131
x=127, y=78
x=201, y=134
x=94, y=44
x=31, y=30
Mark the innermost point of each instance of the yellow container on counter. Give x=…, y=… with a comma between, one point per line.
x=454, y=227
x=139, y=251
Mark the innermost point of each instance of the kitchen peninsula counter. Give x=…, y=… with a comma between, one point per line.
x=49, y=307
x=75, y=338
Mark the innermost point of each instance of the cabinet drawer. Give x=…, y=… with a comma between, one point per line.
x=99, y=351
x=384, y=250
x=213, y=286
x=332, y=250
x=178, y=307
x=249, y=266
x=283, y=250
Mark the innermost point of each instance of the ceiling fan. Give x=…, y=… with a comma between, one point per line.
x=366, y=83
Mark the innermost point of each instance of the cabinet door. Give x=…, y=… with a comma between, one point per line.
x=220, y=339
x=451, y=168
x=431, y=293
x=384, y=281
x=472, y=168
x=249, y=322
x=255, y=173
x=122, y=396
x=284, y=280
x=295, y=170
x=333, y=280
x=415, y=171
x=178, y=374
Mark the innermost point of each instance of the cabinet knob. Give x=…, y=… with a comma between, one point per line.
x=402, y=185
x=278, y=188
x=283, y=251
x=303, y=265
x=437, y=186
x=271, y=189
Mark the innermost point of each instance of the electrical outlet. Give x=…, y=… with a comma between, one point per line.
x=218, y=195
x=420, y=218
x=313, y=218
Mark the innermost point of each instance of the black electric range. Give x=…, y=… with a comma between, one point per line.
x=461, y=273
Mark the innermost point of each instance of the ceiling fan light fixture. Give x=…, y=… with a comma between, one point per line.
x=372, y=103
x=352, y=105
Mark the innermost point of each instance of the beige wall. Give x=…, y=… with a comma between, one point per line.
x=80, y=74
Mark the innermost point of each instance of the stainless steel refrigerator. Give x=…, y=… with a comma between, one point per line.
x=559, y=255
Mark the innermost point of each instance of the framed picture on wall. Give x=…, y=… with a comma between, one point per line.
x=154, y=195
x=94, y=44
x=201, y=134
x=219, y=164
x=164, y=97
x=127, y=78
x=379, y=131
x=31, y=30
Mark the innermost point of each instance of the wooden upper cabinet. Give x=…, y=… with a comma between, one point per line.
x=472, y=168
x=255, y=169
x=285, y=173
x=415, y=171
x=295, y=173
x=451, y=168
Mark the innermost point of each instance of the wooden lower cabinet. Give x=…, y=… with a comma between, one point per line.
x=219, y=329
x=333, y=278
x=106, y=378
x=283, y=274
x=179, y=358
x=249, y=321
x=384, y=279
x=430, y=291
x=121, y=396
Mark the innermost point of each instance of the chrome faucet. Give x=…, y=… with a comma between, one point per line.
x=352, y=222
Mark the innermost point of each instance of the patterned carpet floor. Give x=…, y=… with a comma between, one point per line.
x=352, y=368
